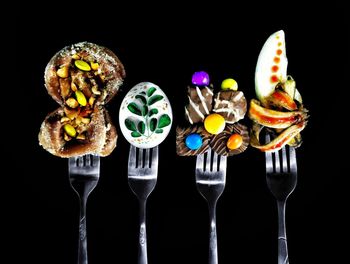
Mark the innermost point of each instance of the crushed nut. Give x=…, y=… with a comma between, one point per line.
x=81, y=137
x=85, y=120
x=94, y=66
x=70, y=130
x=64, y=119
x=80, y=98
x=66, y=137
x=73, y=87
x=82, y=65
x=76, y=57
x=91, y=101
x=72, y=103
x=63, y=72
x=71, y=113
x=95, y=90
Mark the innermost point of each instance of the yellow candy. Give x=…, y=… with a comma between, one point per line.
x=229, y=84
x=214, y=123
x=82, y=65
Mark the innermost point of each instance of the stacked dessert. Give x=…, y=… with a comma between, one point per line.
x=213, y=119
x=81, y=78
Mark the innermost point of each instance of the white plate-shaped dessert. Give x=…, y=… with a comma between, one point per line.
x=145, y=115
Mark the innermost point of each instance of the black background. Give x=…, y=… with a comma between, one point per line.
x=165, y=44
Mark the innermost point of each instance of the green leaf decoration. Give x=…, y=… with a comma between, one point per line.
x=130, y=125
x=154, y=99
x=164, y=121
x=144, y=110
x=141, y=98
x=151, y=91
x=153, y=111
x=141, y=127
x=133, y=108
x=135, y=134
x=153, y=124
x=143, y=92
x=159, y=131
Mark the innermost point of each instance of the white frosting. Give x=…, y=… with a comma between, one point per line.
x=201, y=97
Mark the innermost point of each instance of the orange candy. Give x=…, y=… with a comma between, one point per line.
x=235, y=141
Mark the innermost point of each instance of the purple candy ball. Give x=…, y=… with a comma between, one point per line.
x=200, y=78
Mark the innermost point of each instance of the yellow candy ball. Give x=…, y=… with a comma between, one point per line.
x=229, y=84
x=214, y=123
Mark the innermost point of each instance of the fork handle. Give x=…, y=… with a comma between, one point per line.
x=142, y=255
x=282, y=235
x=82, y=247
x=213, y=246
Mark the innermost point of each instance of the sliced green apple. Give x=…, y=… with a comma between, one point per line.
x=271, y=67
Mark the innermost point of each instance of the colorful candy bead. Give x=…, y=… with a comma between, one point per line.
x=234, y=141
x=194, y=141
x=200, y=78
x=214, y=123
x=229, y=84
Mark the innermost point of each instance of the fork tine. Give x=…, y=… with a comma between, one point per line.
x=72, y=162
x=200, y=162
x=277, y=161
x=268, y=156
x=223, y=162
x=140, y=159
x=147, y=156
x=132, y=157
x=95, y=162
x=208, y=161
x=154, y=162
x=292, y=160
x=215, y=162
x=80, y=161
x=284, y=160
x=87, y=160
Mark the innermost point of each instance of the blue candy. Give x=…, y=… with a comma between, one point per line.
x=194, y=141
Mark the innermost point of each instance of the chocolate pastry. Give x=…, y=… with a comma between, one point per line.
x=232, y=105
x=199, y=103
x=182, y=133
x=219, y=142
x=81, y=78
x=209, y=126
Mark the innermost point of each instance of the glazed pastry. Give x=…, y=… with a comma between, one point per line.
x=81, y=78
x=213, y=127
x=182, y=149
x=199, y=103
x=219, y=143
x=232, y=105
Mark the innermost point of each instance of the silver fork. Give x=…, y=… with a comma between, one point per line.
x=84, y=173
x=281, y=178
x=142, y=178
x=210, y=181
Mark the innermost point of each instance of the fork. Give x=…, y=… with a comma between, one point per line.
x=142, y=178
x=281, y=178
x=210, y=181
x=84, y=172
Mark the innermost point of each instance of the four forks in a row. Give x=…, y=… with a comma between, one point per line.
x=210, y=175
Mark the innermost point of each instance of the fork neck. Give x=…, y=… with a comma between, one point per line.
x=281, y=207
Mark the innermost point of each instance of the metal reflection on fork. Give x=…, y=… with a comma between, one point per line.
x=281, y=178
x=142, y=178
x=210, y=181
x=84, y=173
